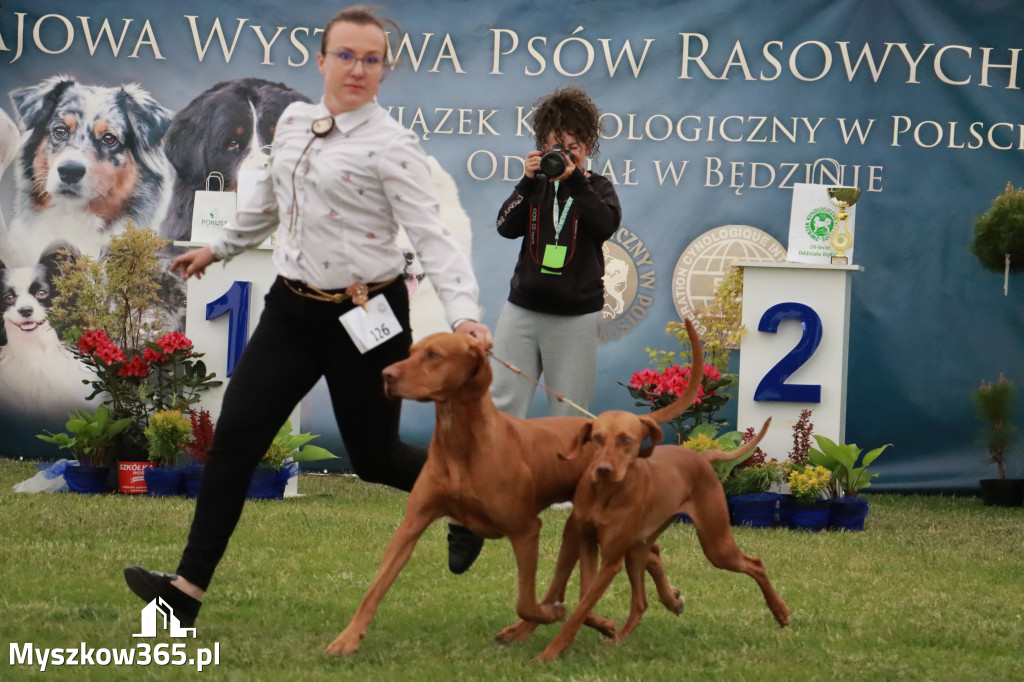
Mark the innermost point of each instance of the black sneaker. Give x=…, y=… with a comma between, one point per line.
x=149, y=585
x=463, y=548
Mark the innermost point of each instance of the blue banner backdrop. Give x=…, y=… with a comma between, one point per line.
x=713, y=109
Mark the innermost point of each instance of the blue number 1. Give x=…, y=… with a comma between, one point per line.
x=773, y=386
x=235, y=302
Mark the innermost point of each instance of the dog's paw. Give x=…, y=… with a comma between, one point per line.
x=782, y=615
x=549, y=654
x=345, y=644
x=606, y=626
x=677, y=605
x=518, y=632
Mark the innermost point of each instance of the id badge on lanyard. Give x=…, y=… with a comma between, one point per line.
x=554, y=254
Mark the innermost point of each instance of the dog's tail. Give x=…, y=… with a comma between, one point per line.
x=725, y=455
x=683, y=402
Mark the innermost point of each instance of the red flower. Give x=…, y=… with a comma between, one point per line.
x=150, y=355
x=673, y=379
x=759, y=457
x=108, y=352
x=138, y=367
x=88, y=341
x=172, y=341
x=202, y=435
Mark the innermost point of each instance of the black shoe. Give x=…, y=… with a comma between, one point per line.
x=463, y=548
x=149, y=585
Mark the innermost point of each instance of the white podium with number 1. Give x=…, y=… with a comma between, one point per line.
x=793, y=356
x=223, y=309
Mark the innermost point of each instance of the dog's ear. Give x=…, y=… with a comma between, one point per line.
x=271, y=101
x=580, y=440
x=654, y=433
x=56, y=256
x=148, y=118
x=479, y=380
x=185, y=150
x=35, y=104
x=3, y=328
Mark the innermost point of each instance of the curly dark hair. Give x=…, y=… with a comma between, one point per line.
x=569, y=110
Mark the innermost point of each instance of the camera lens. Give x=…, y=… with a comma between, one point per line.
x=553, y=163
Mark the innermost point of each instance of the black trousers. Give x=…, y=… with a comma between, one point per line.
x=297, y=341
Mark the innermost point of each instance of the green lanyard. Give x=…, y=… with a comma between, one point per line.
x=558, y=217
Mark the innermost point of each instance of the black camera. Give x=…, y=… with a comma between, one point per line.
x=554, y=162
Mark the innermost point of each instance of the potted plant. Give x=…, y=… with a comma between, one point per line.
x=704, y=437
x=196, y=449
x=135, y=383
x=90, y=438
x=808, y=510
x=999, y=234
x=130, y=295
x=848, y=510
x=168, y=433
x=749, y=491
x=995, y=406
x=281, y=462
x=721, y=329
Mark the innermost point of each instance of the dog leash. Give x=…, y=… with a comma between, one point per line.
x=561, y=397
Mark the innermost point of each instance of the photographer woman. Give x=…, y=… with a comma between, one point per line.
x=563, y=214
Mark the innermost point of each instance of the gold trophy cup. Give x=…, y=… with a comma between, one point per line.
x=842, y=238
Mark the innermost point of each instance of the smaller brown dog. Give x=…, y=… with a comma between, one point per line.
x=627, y=497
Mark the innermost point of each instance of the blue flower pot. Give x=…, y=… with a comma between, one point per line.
x=269, y=484
x=165, y=481
x=848, y=513
x=808, y=516
x=758, y=510
x=85, y=478
x=193, y=474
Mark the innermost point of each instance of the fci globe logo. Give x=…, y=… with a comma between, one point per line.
x=707, y=258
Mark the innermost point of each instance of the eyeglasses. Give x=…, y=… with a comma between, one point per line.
x=371, y=62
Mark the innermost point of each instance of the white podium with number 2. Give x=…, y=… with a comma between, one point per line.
x=793, y=356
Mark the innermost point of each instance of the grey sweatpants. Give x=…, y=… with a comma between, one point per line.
x=562, y=348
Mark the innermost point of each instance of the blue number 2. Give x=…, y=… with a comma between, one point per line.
x=235, y=302
x=773, y=386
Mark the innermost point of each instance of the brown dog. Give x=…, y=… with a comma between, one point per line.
x=489, y=471
x=628, y=496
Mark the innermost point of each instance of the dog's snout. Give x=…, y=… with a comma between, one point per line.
x=71, y=172
x=389, y=374
x=603, y=470
x=25, y=311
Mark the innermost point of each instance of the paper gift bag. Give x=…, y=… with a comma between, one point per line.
x=812, y=219
x=212, y=209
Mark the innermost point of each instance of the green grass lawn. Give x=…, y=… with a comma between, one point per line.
x=933, y=590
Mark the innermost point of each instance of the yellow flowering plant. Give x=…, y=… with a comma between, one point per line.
x=704, y=437
x=808, y=483
x=168, y=433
